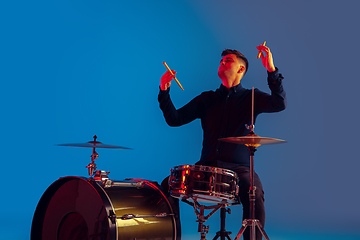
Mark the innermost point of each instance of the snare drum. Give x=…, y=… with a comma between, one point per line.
x=79, y=208
x=204, y=184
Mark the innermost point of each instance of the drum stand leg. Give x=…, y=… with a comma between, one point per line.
x=201, y=218
x=223, y=233
x=253, y=223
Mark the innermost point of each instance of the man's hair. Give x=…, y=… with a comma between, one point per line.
x=238, y=54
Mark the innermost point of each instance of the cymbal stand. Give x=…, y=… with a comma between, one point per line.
x=252, y=222
x=201, y=218
x=92, y=166
x=252, y=141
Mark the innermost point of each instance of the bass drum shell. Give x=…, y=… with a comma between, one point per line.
x=82, y=209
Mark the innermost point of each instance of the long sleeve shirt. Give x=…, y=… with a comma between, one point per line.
x=224, y=113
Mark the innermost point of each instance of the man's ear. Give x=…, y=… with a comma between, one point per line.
x=241, y=69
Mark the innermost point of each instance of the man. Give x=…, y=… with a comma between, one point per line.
x=225, y=113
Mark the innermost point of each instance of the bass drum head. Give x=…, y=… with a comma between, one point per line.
x=75, y=208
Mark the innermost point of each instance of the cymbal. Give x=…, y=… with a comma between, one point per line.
x=92, y=144
x=252, y=140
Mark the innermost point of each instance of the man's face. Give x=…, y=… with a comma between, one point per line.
x=229, y=66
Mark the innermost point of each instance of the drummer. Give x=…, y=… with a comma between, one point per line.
x=225, y=112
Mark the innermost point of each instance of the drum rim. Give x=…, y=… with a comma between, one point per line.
x=207, y=168
x=40, y=211
x=155, y=186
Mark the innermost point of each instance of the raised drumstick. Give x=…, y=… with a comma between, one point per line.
x=173, y=75
x=258, y=56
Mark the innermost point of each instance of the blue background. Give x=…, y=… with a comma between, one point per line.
x=72, y=69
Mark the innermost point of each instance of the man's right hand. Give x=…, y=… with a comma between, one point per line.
x=166, y=80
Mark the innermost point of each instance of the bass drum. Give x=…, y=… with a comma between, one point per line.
x=85, y=209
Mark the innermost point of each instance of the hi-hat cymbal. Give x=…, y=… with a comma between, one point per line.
x=252, y=140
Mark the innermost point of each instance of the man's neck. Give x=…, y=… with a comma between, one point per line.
x=230, y=83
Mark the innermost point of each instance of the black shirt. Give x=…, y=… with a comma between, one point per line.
x=224, y=113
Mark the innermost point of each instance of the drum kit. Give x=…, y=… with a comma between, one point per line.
x=99, y=208
x=79, y=208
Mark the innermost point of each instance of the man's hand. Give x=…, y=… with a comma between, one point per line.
x=267, y=60
x=166, y=80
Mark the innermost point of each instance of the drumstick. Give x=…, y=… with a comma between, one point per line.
x=258, y=56
x=173, y=75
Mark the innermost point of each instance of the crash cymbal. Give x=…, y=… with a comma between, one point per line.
x=252, y=140
x=92, y=144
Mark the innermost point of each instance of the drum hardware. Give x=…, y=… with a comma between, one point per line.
x=198, y=183
x=109, y=183
x=92, y=166
x=101, y=176
x=201, y=218
x=112, y=216
x=223, y=233
x=252, y=141
x=131, y=216
x=92, y=144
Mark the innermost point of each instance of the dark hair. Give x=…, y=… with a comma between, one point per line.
x=238, y=54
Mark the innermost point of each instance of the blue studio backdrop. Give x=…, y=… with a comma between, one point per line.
x=73, y=69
